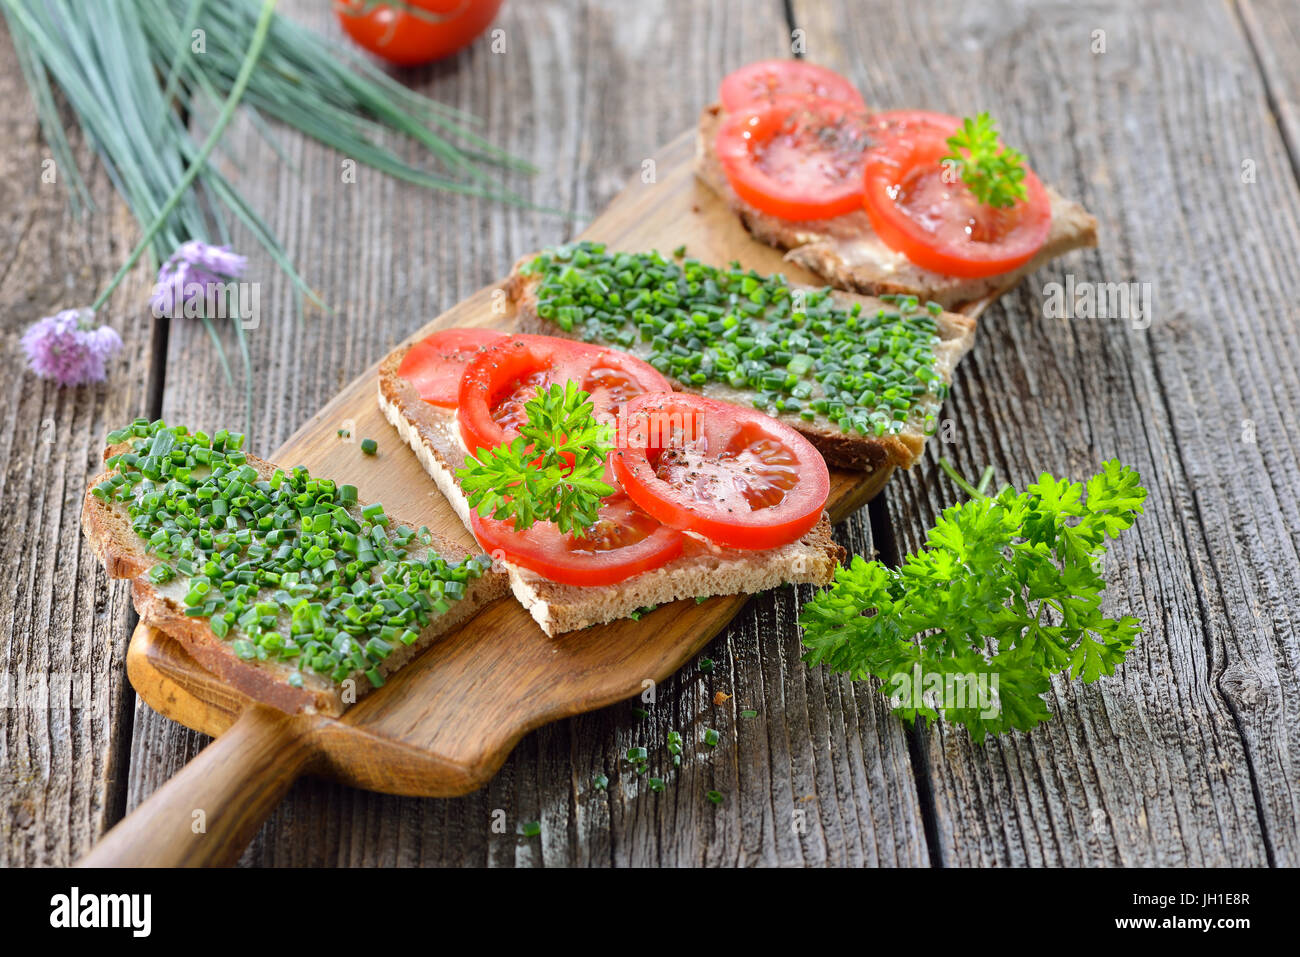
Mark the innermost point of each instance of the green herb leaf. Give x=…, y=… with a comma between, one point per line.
x=554, y=469
x=994, y=173
x=1006, y=593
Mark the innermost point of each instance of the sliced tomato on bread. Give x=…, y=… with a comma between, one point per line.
x=765, y=80
x=624, y=541
x=798, y=158
x=435, y=364
x=919, y=207
x=728, y=473
x=499, y=381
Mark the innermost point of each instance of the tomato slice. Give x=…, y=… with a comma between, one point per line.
x=767, y=79
x=728, y=473
x=940, y=225
x=503, y=377
x=796, y=157
x=625, y=541
x=434, y=365
x=903, y=122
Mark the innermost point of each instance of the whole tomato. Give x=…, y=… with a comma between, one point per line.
x=413, y=32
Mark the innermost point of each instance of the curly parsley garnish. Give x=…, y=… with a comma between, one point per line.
x=1006, y=593
x=553, y=470
x=994, y=173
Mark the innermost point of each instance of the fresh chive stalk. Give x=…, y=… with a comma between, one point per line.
x=134, y=83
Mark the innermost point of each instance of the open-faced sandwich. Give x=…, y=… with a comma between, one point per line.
x=281, y=583
x=905, y=201
x=861, y=378
x=600, y=488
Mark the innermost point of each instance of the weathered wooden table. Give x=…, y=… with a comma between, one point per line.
x=1177, y=124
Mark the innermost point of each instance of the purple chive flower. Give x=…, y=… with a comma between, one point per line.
x=191, y=275
x=69, y=348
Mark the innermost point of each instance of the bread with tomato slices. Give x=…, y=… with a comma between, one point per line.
x=703, y=568
x=844, y=248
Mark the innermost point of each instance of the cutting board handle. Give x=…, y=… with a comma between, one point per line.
x=207, y=814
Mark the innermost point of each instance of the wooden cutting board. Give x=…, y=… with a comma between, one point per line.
x=446, y=722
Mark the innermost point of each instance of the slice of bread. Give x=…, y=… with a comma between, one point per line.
x=850, y=450
x=847, y=253
x=107, y=526
x=703, y=569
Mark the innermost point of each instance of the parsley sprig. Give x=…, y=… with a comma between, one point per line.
x=1008, y=586
x=994, y=173
x=551, y=472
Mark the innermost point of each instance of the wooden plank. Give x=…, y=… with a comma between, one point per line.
x=60, y=622
x=579, y=90
x=1187, y=756
x=1273, y=29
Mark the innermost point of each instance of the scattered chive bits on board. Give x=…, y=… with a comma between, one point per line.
x=798, y=350
x=369, y=447
x=290, y=568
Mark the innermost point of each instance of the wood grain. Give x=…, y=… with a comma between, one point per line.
x=389, y=257
x=1273, y=29
x=1187, y=756
x=62, y=628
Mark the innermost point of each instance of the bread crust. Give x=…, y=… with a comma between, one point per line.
x=850, y=450
x=107, y=528
x=703, y=572
x=703, y=569
x=846, y=252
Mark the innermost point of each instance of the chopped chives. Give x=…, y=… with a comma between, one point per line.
x=278, y=566
x=697, y=323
